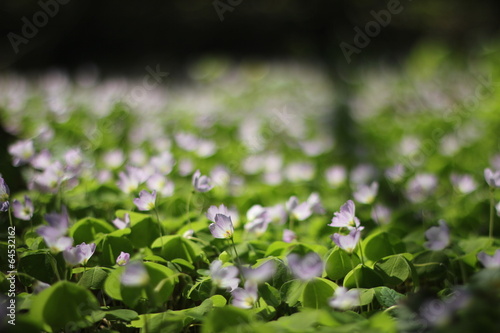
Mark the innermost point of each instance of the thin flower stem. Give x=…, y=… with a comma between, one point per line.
x=159, y=225
x=492, y=204
x=355, y=279
x=361, y=254
x=187, y=208
x=238, y=260
x=290, y=224
x=10, y=217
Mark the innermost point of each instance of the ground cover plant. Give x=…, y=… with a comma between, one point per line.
x=225, y=204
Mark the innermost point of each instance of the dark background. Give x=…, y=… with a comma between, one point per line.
x=123, y=36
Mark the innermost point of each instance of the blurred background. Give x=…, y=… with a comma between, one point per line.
x=121, y=36
x=426, y=57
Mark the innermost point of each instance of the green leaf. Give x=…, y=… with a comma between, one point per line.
x=173, y=247
x=225, y=319
x=316, y=293
x=40, y=265
x=161, y=284
x=387, y=297
x=270, y=294
x=338, y=264
x=431, y=265
x=143, y=229
x=66, y=305
x=394, y=269
x=382, y=244
x=121, y=314
x=111, y=247
x=364, y=276
x=94, y=278
x=87, y=229
x=291, y=292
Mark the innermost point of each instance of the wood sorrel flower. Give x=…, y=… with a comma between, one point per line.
x=201, y=183
x=123, y=258
x=214, y=210
x=245, y=298
x=489, y=261
x=366, y=194
x=347, y=242
x=438, y=237
x=344, y=299
x=53, y=234
x=135, y=275
x=4, y=196
x=223, y=227
x=346, y=217
x=492, y=178
x=261, y=273
x=79, y=254
x=224, y=277
x=21, y=152
x=297, y=211
x=306, y=268
x=23, y=211
x=122, y=224
x=146, y=200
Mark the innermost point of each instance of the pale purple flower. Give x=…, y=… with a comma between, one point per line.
x=161, y=184
x=245, y=298
x=4, y=195
x=277, y=214
x=79, y=254
x=128, y=182
x=336, y=175
x=74, y=158
x=346, y=217
x=381, y=214
x=205, y=148
x=363, y=174
x=122, y=224
x=296, y=172
x=438, y=237
x=257, y=226
x=123, y=258
x=163, y=163
x=492, y=177
x=21, y=151
x=146, y=200
x=222, y=227
x=348, y=242
x=135, y=275
x=261, y=273
x=488, y=261
x=54, y=233
x=224, y=277
x=396, y=173
x=114, y=159
x=314, y=202
x=185, y=167
x=39, y=286
x=256, y=211
x=298, y=211
x=307, y=267
x=421, y=187
x=23, y=211
x=186, y=141
x=214, y=210
x=463, y=183
x=366, y=194
x=42, y=160
x=220, y=176
x=344, y=299
x=201, y=183
x=289, y=236
x=188, y=234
